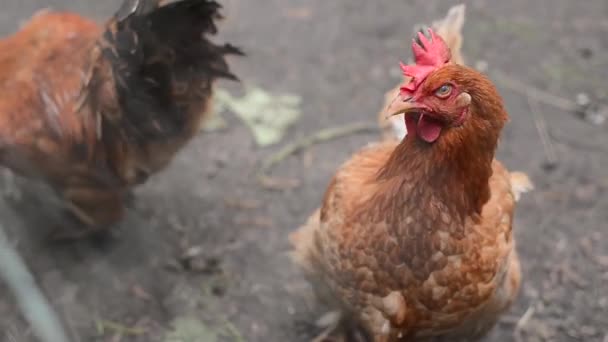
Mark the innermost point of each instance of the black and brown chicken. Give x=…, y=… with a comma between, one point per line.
x=95, y=110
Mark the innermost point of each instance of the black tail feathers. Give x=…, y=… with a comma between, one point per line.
x=163, y=62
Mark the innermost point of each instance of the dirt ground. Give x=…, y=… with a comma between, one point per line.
x=340, y=57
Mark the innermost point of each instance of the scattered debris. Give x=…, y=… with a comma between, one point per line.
x=216, y=286
x=192, y=252
x=190, y=329
x=583, y=100
x=193, y=259
x=268, y=116
x=318, y=137
x=591, y=111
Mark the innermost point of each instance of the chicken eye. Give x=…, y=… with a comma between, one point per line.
x=444, y=91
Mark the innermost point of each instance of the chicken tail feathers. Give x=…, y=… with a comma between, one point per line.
x=450, y=29
x=161, y=64
x=303, y=241
x=520, y=184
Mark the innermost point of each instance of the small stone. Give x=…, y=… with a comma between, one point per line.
x=597, y=117
x=218, y=290
x=192, y=252
x=582, y=99
x=481, y=65
x=173, y=265
x=586, y=52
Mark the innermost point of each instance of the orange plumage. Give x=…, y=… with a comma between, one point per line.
x=95, y=110
x=414, y=238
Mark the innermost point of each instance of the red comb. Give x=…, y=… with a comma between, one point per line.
x=429, y=55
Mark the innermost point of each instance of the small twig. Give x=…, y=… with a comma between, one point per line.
x=118, y=328
x=318, y=137
x=543, y=132
x=282, y=184
x=233, y=331
x=535, y=93
x=523, y=321
x=32, y=302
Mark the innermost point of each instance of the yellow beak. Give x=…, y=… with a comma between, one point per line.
x=401, y=106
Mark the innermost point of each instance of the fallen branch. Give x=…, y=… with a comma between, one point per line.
x=578, y=145
x=316, y=138
x=534, y=93
x=30, y=299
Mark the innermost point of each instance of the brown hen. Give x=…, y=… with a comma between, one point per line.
x=414, y=240
x=95, y=110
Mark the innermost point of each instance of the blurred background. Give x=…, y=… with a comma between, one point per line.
x=203, y=252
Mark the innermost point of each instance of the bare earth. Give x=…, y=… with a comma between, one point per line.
x=340, y=56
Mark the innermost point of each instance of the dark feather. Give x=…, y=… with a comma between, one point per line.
x=163, y=64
